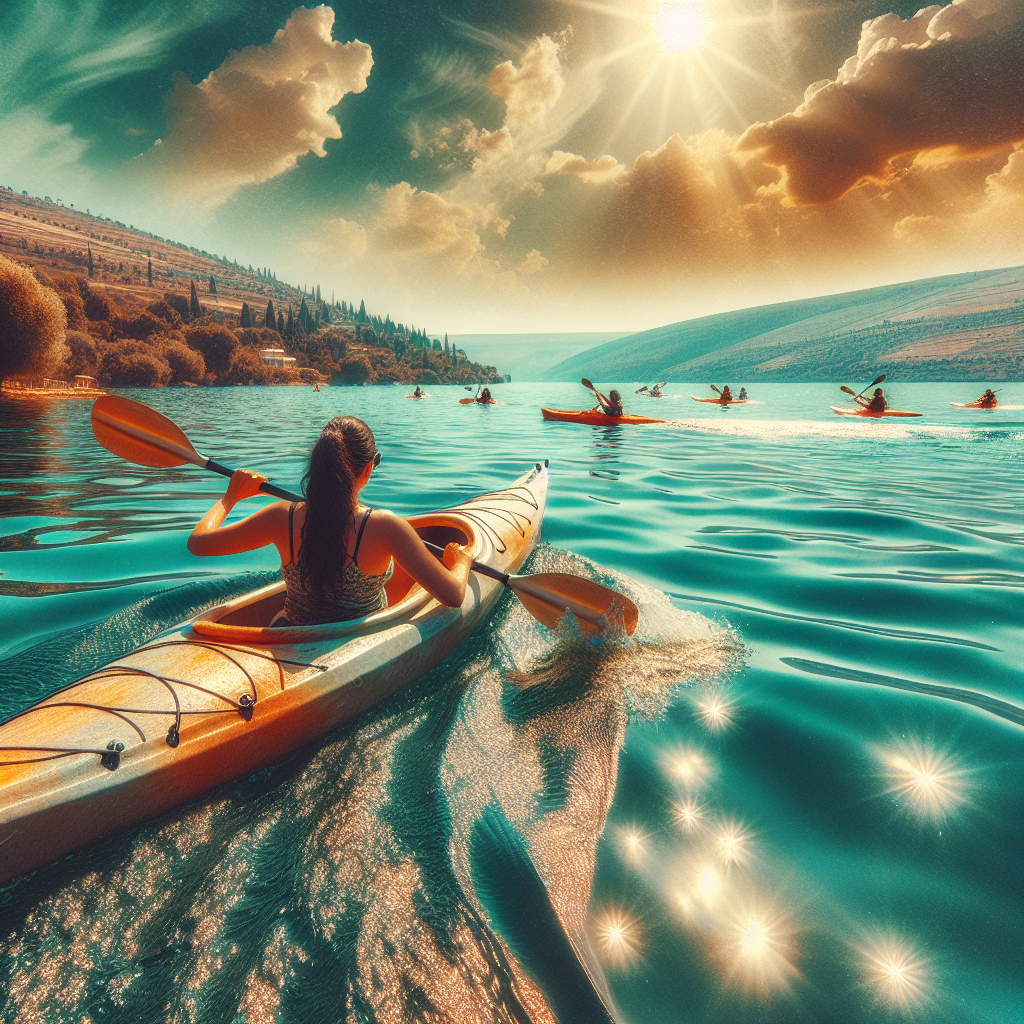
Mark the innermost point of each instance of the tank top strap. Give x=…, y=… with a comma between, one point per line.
x=359, y=538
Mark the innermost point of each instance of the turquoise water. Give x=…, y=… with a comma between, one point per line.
x=796, y=795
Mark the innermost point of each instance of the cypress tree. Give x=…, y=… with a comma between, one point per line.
x=213, y=286
x=362, y=311
x=89, y=247
x=426, y=358
x=193, y=303
x=245, y=320
x=280, y=322
x=289, y=327
x=270, y=320
x=149, y=272
x=318, y=295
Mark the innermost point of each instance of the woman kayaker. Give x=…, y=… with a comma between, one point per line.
x=726, y=393
x=987, y=400
x=336, y=554
x=610, y=406
x=877, y=403
x=743, y=394
x=418, y=393
x=484, y=398
x=655, y=392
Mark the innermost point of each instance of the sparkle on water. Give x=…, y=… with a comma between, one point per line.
x=930, y=782
x=894, y=971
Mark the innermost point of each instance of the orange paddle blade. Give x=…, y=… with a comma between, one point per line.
x=548, y=595
x=466, y=401
x=140, y=434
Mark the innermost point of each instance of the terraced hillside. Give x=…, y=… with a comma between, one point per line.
x=959, y=327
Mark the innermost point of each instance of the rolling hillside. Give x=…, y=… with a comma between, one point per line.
x=962, y=327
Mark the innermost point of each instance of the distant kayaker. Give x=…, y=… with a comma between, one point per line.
x=484, y=398
x=726, y=393
x=655, y=392
x=743, y=394
x=418, y=393
x=988, y=400
x=610, y=406
x=336, y=554
x=877, y=402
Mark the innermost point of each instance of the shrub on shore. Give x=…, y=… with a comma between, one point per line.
x=33, y=323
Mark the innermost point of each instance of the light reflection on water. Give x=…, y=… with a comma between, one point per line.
x=778, y=842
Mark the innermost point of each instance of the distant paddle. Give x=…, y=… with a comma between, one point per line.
x=850, y=391
x=640, y=391
x=713, y=388
x=141, y=435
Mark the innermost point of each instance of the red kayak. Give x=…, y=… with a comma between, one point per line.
x=720, y=401
x=871, y=413
x=973, y=405
x=591, y=417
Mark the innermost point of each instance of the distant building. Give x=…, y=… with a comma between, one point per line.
x=84, y=381
x=276, y=357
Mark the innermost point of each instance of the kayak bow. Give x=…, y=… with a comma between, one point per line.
x=227, y=693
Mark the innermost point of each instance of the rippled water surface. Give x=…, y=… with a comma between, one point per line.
x=794, y=795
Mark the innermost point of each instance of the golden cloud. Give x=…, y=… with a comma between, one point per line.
x=251, y=118
x=604, y=169
x=531, y=90
x=950, y=77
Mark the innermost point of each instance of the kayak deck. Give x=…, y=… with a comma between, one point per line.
x=226, y=693
x=720, y=401
x=591, y=418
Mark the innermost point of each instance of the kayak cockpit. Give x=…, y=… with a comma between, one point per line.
x=248, y=618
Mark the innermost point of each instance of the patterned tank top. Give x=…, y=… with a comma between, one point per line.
x=353, y=594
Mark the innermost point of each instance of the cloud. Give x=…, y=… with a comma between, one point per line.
x=531, y=90
x=604, y=169
x=254, y=116
x=950, y=77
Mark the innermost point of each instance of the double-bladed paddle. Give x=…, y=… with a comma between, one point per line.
x=640, y=391
x=849, y=391
x=141, y=435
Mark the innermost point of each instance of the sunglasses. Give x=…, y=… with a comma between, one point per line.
x=376, y=459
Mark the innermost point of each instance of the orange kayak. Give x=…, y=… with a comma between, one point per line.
x=591, y=418
x=226, y=693
x=720, y=401
x=973, y=405
x=870, y=413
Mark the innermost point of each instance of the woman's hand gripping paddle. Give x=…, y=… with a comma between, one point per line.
x=141, y=435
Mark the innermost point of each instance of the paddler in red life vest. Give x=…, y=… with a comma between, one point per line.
x=877, y=403
x=988, y=400
x=726, y=393
x=485, y=397
x=610, y=406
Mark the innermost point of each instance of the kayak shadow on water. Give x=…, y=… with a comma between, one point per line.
x=432, y=858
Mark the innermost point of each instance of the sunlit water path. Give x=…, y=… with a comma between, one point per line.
x=795, y=795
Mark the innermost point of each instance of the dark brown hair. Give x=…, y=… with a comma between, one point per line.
x=341, y=453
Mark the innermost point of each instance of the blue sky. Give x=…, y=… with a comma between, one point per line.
x=571, y=165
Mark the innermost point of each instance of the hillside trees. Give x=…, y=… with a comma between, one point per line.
x=245, y=319
x=270, y=318
x=194, y=309
x=33, y=322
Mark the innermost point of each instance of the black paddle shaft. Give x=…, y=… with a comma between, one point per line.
x=266, y=487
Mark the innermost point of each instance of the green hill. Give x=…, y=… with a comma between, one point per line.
x=963, y=326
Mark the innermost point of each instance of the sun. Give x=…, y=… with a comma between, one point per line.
x=680, y=25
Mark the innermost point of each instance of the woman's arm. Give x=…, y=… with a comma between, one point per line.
x=263, y=527
x=446, y=582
